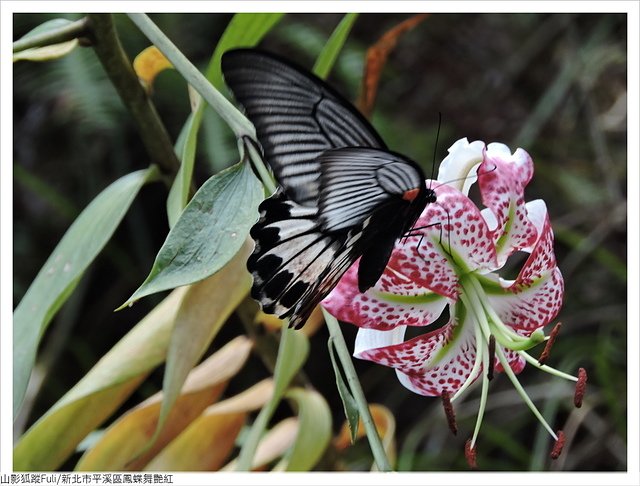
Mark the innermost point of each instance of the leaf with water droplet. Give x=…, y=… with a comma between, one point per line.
x=198, y=244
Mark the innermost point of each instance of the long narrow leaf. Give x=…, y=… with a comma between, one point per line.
x=53, y=438
x=58, y=277
x=314, y=430
x=201, y=315
x=332, y=48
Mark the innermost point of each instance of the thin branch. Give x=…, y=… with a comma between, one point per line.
x=119, y=69
x=74, y=30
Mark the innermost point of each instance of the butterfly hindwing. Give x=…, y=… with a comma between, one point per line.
x=295, y=264
x=356, y=182
x=297, y=117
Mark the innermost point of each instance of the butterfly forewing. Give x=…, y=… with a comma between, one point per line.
x=297, y=117
x=342, y=195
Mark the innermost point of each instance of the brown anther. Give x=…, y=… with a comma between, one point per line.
x=581, y=387
x=557, y=447
x=470, y=455
x=492, y=357
x=449, y=412
x=547, y=348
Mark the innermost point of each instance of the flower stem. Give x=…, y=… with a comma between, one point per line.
x=354, y=384
x=229, y=113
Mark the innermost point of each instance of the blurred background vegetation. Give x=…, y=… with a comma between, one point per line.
x=552, y=84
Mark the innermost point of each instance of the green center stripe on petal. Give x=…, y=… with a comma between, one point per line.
x=507, y=228
x=426, y=298
x=460, y=319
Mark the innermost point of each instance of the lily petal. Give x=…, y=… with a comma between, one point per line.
x=458, y=169
x=530, y=307
x=453, y=233
x=428, y=364
x=394, y=301
x=504, y=177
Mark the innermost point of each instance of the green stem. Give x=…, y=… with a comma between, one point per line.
x=116, y=63
x=344, y=356
x=258, y=164
x=248, y=451
x=229, y=113
x=65, y=33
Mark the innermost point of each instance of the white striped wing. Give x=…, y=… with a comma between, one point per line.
x=295, y=264
x=357, y=182
x=297, y=117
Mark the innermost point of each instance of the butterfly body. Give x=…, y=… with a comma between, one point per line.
x=342, y=194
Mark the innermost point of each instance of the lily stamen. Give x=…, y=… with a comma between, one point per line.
x=547, y=347
x=581, y=387
x=557, y=447
x=449, y=412
x=470, y=454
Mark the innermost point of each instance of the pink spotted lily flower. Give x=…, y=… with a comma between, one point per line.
x=455, y=263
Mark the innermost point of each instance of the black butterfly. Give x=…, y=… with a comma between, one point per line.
x=342, y=195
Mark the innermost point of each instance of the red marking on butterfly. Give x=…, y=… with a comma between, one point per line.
x=411, y=194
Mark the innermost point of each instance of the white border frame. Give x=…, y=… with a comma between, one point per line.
x=631, y=477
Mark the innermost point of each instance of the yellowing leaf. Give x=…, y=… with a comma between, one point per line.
x=385, y=425
x=46, y=53
x=126, y=438
x=202, y=313
x=275, y=443
x=209, y=440
x=54, y=437
x=148, y=64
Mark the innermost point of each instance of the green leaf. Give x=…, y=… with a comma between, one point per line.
x=292, y=353
x=332, y=48
x=179, y=193
x=46, y=53
x=210, y=231
x=58, y=277
x=348, y=401
x=244, y=30
x=314, y=430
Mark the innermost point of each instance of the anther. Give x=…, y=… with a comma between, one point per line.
x=470, y=455
x=449, y=412
x=581, y=387
x=492, y=357
x=557, y=447
x=547, y=348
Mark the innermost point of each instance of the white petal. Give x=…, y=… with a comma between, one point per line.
x=367, y=339
x=458, y=168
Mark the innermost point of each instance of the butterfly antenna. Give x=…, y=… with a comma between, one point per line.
x=435, y=147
